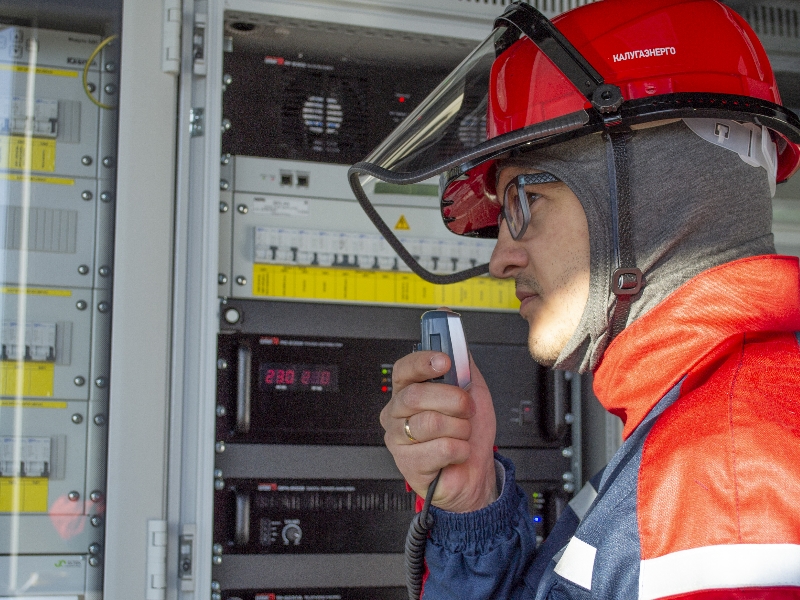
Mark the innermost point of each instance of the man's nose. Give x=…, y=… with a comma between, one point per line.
x=509, y=256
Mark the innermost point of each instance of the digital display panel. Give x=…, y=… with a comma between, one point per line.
x=299, y=377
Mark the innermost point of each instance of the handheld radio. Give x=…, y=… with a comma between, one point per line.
x=441, y=331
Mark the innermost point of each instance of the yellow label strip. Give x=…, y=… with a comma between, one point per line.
x=353, y=285
x=39, y=70
x=37, y=178
x=23, y=494
x=31, y=404
x=14, y=149
x=26, y=378
x=35, y=291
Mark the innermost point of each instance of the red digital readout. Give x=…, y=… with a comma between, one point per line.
x=283, y=376
x=279, y=377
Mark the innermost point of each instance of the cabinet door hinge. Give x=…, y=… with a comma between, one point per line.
x=171, y=41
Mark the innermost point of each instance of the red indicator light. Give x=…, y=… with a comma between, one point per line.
x=401, y=99
x=384, y=388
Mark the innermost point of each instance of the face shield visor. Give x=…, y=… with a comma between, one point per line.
x=526, y=85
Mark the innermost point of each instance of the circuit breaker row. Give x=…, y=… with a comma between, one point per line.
x=57, y=183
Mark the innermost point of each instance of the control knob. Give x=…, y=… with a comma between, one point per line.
x=292, y=534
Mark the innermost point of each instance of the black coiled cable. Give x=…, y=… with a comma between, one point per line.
x=416, y=539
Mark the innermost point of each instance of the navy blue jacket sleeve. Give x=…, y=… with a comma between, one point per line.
x=486, y=553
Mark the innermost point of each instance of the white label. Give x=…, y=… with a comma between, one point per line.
x=281, y=207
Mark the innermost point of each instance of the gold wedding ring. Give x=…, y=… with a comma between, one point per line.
x=408, y=431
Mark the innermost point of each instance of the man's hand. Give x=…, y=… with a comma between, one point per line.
x=453, y=428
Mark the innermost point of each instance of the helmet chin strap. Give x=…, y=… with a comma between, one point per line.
x=626, y=279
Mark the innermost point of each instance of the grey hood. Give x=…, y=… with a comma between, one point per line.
x=694, y=206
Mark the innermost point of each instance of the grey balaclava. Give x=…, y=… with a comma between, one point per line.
x=694, y=206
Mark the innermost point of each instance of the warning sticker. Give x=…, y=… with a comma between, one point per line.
x=402, y=223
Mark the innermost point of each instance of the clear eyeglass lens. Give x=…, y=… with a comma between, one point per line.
x=512, y=206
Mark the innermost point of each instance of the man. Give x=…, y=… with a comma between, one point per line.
x=638, y=233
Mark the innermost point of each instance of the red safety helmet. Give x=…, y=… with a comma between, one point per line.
x=606, y=65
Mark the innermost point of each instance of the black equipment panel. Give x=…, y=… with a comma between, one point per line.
x=315, y=109
x=291, y=516
x=313, y=390
x=394, y=593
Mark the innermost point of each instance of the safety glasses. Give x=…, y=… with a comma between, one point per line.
x=517, y=202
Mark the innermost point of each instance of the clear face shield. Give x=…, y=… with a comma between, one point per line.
x=471, y=118
x=523, y=87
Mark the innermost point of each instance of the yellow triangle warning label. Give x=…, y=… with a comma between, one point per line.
x=402, y=223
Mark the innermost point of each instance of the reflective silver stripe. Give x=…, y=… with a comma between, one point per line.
x=583, y=500
x=720, y=567
x=577, y=563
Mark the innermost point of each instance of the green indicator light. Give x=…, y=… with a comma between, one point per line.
x=384, y=371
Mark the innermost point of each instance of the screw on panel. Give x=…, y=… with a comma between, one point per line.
x=222, y=279
x=104, y=307
x=241, y=280
x=215, y=586
x=77, y=418
x=94, y=561
x=242, y=208
x=73, y=496
x=83, y=269
x=216, y=595
x=96, y=521
x=109, y=162
x=79, y=381
x=86, y=160
x=219, y=485
x=110, y=88
x=104, y=271
x=217, y=549
x=569, y=418
x=221, y=410
x=568, y=476
x=567, y=452
x=227, y=79
x=218, y=473
x=222, y=364
x=569, y=487
x=95, y=548
x=110, y=67
x=225, y=158
x=219, y=447
x=81, y=304
x=101, y=382
x=226, y=125
x=96, y=496
x=99, y=419
x=223, y=206
x=87, y=195
x=224, y=185
x=106, y=196
x=91, y=87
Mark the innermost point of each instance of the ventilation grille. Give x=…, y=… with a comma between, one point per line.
x=775, y=21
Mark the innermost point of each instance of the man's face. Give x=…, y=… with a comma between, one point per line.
x=550, y=264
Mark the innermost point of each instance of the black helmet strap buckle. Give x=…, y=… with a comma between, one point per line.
x=626, y=280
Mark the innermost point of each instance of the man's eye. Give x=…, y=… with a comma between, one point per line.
x=533, y=198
